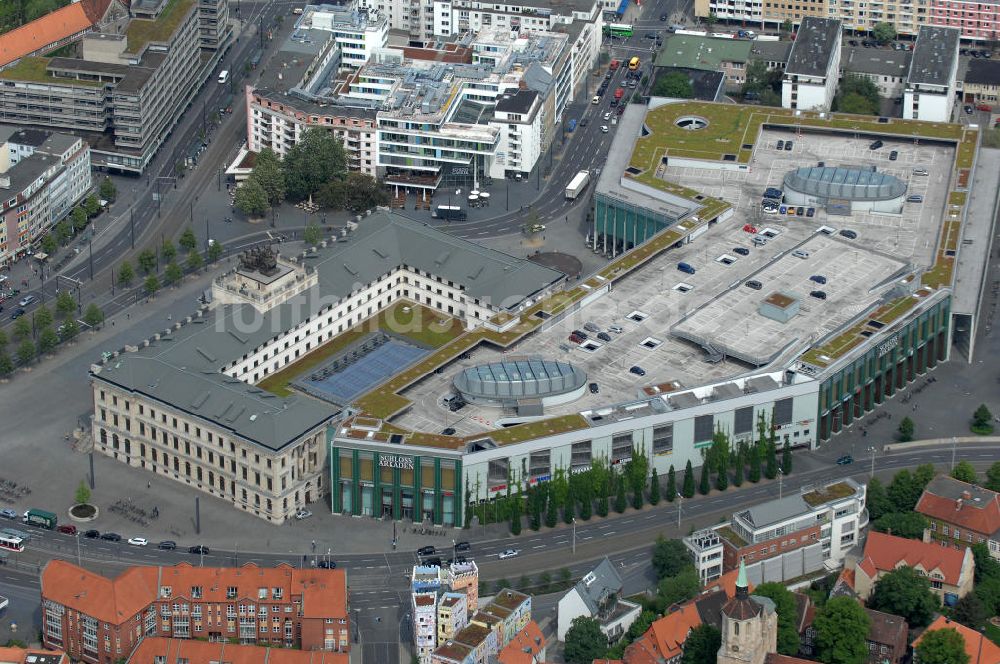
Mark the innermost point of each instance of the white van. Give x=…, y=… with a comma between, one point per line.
x=223, y=76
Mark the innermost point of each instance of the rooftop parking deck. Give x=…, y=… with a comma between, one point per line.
x=855, y=278
x=714, y=302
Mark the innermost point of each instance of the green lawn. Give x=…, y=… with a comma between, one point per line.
x=141, y=31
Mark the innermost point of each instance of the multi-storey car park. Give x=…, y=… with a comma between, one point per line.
x=683, y=182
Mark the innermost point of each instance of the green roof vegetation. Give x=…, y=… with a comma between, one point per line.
x=828, y=493
x=732, y=130
x=728, y=534
x=141, y=31
x=435, y=330
x=35, y=69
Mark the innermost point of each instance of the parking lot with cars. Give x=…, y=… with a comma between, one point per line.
x=633, y=323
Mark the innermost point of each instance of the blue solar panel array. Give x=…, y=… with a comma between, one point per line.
x=365, y=373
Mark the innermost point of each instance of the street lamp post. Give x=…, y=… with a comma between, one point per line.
x=574, y=536
x=872, y=472
x=954, y=443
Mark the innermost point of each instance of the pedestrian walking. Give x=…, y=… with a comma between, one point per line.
x=148, y=485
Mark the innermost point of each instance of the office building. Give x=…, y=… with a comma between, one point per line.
x=813, y=68
x=930, y=91
x=136, y=74
x=785, y=538
x=42, y=176
x=96, y=619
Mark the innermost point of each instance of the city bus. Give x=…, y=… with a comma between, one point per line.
x=617, y=30
x=11, y=543
x=633, y=64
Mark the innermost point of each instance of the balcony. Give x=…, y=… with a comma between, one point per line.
x=863, y=519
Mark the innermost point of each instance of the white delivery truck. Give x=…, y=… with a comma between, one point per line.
x=577, y=184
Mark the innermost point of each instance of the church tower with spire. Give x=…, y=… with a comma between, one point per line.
x=749, y=626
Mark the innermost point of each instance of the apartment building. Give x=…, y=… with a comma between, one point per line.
x=976, y=20
x=424, y=608
x=981, y=82
x=886, y=69
x=931, y=84
x=136, y=74
x=442, y=600
x=742, y=11
x=96, y=619
x=961, y=514
x=357, y=32
x=784, y=538
x=452, y=615
x=58, y=28
x=158, y=650
x=813, y=68
x=302, y=92
x=949, y=570
x=527, y=647
x=489, y=631
x=42, y=176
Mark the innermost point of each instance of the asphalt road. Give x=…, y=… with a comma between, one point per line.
x=148, y=220
x=379, y=580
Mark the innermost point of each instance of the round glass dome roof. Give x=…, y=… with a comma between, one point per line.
x=519, y=379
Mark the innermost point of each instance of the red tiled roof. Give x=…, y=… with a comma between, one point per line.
x=885, y=552
x=847, y=577
x=20, y=655
x=981, y=517
x=50, y=29
x=665, y=637
x=323, y=592
x=981, y=650
x=524, y=646
x=205, y=652
x=727, y=582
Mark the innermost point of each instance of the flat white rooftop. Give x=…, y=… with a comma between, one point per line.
x=855, y=279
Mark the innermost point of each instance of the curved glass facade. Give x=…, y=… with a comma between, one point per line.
x=519, y=379
x=853, y=184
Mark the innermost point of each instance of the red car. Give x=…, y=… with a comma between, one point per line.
x=984, y=107
x=575, y=339
x=67, y=529
x=749, y=228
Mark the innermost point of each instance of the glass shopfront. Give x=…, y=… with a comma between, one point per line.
x=416, y=488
